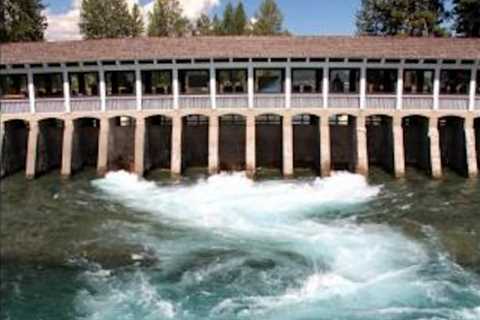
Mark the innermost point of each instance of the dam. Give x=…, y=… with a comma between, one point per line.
x=241, y=104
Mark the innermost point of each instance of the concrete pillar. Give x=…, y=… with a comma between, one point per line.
x=399, y=105
x=326, y=85
x=435, y=157
x=436, y=88
x=2, y=137
x=473, y=88
x=32, y=149
x=68, y=132
x=213, y=87
x=398, y=148
x=138, y=87
x=176, y=161
x=288, y=86
x=287, y=146
x=175, y=88
x=325, y=155
x=251, y=86
x=213, y=137
x=140, y=146
x=31, y=91
x=250, y=148
x=363, y=87
x=66, y=91
x=103, y=90
x=103, y=141
x=471, y=148
x=362, y=152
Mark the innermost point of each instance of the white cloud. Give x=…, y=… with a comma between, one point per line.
x=64, y=26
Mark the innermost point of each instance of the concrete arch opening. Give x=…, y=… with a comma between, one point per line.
x=232, y=142
x=121, y=143
x=158, y=142
x=306, y=142
x=477, y=139
x=453, y=150
x=343, y=138
x=380, y=142
x=195, y=142
x=85, y=143
x=13, y=145
x=49, y=145
x=416, y=142
x=269, y=141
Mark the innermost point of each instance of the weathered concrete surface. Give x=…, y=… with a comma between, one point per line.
x=14, y=142
x=325, y=148
x=398, y=148
x=343, y=146
x=121, y=144
x=67, y=145
x=103, y=141
x=477, y=140
x=416, y=142
x=195, y=144
x=380, y=142
x=213, y=141
x=232, y=144
x=50, y=144
x=139, y=146
x=453, y=144
x=306, y=144
x=287, y=148
x=361, y=140
x=176, y=161
x=250, y=146
x=158, y=143
x=85, y=143
x=435, y=156
x=269, y=145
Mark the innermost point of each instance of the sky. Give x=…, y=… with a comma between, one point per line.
x=302, y=17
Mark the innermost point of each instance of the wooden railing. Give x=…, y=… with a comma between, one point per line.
x=14, y=106
x=306, y=101
x=194, y=102
x=232, y=101
x=50, y=105
x=269, y=101
x=121, y=103
x=381, y=102
x=85, y=104
x=342, y=101
x=453, y=103
x=417, y=102
x=157, y=102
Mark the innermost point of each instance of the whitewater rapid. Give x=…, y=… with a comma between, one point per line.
x=236, y=248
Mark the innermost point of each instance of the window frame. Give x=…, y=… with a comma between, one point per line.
x=50, y=83
x=385, y=91
x=318, y=87
x=125, y=72
x=84, y=74
x=231, y=71
x=350, y=70
x=183, y=86
x=6, y=95
x=467, y=82
x=169, y=90
x=424, y=71
x=282, y=80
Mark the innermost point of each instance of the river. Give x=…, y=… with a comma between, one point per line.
x=227, y=247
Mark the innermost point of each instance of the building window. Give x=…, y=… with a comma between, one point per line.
x=120, y=83
x=158, y=82
x=269, y=80
x=346, y=81
x=418, y=81
x=194, y=81
x=13, y=86
x=382, y=81
x=454, y=81
x=232, y=81
x=48, y=85
x=83, y=84
x=307, y=80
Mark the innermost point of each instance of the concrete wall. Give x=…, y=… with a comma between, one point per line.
x=232, y=145
x=121, y=145
x=343, y=145
x=306, y=145
x=416, y=142
x=269, y=145
x=14, y=147
x=452, y=144
x=85, y=143
x=50, y=143
x=380, y=142
x=194, y=145
x=158, y=143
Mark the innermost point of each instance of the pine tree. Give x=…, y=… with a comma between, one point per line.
x=136, y=24
x=228, y=20
x=402, y=17
x=22, y=20
x=166, y=20
x=269, y=19
x=217, y=26
x=467, y=17
x=240, y=20
x=203, y=26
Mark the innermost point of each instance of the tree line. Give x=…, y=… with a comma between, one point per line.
x=24, y=20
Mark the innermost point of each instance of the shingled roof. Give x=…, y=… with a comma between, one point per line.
x=239, y=47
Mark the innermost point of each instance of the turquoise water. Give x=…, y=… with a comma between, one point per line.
x=227, y=247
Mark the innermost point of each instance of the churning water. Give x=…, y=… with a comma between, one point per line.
x=230, y=248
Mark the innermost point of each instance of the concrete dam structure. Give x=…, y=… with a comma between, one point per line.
x=322, y=103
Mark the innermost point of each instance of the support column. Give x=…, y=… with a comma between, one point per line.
x=31, y=91
x=250, y=148
x=140, y=146
x=103, y=90
x=471, y=149
x=251, y=86
x=288, y=86
x=399, y=105
x=2, y=138
x=287, y=146
x=435, y=158
x=213, y=87
x=103, y=141
x=473, y=88
x=32, y=149
x=66, y=91
x=213, y=137
x=326, y=85
x=68, y=132
x=325, y=155
x=436, y=89
x=363, y=87
x=362, y=153
x=138, y=88
x=176, y=161
x=175, y=88
x=398, y=148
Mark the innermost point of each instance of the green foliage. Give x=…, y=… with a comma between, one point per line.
x=240, y=20
x=467, y=17
x=22, y=20
x=204, y=26
x=228, y=16
x=166, y=20
x=109, y=19
x=217, y=26
x=269, y=19
x=402, y=17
